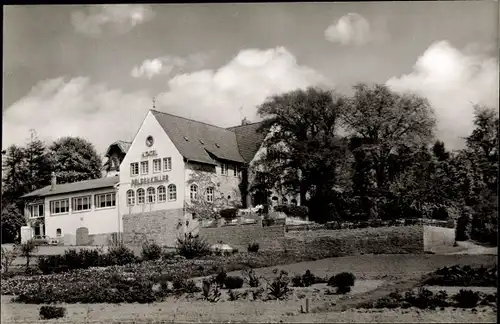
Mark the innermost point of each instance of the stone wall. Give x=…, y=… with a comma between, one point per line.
x=158, y=226
x=240, y=235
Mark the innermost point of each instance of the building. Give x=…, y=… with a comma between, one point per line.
x=80, y=213
x=152, y=180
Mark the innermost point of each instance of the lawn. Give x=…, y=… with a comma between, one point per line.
x=376, y=275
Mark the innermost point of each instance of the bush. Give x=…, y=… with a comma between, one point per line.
x=51, y=312
x=278, y=288
x=293, y=211
x=467, y=298
x=464, y=276
x=119, y=255
x=253, y=247
x=8, y=256
x=233, y=295
x=211, y=290
x=306, y=280
x=220, y=278
x=192, y=246
x=343, y=279
x=233, y=282
x=151, y=251
x=251, y=278
x=462, y=231
x=229, y=213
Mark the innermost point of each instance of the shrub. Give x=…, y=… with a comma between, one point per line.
x=278, y=288
x=211, y=291
x=229, y=213
x=462, y=231
x=253, y=247
x=220, y=278
x=233, y=282
x=251, y=277
x=26, y=250
x=192, y=246
x=8, y=256
x=151, y=251
x=467, y=298
x=51, y=312
x=343, y=279
x=306, y=280
x=464, y=276
x=233, y=295
x=120, y=255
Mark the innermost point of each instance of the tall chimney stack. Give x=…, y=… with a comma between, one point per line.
x=53, y=181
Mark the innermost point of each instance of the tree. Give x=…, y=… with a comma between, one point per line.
x=39, y=164
x=12, y=220
x=14, y=178
x=75, y=159
x=302, y=149
x=208, y=200
x=386, y=121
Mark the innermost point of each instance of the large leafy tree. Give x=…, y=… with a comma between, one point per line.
x=75, y=159
x=302, y=147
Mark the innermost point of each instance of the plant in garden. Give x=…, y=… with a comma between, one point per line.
x=278, y=288
x=220, y=278
x=8, y=256
x=251, y=277
x=51, y=312
x=343, y=281
x=120, y=255
x=233, y=295
x=192, y=246
x=211, y=291
x=467, y=298
x=233, y=282
x=306, y=280
x=253, y=247
x=151, y=251
x=26, y=250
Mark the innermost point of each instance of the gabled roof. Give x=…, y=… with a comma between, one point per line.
x=197, y=140
x=122, y=145
x=249, y=139
x=65, y=188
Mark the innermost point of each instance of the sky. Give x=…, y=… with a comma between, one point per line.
x=93, y=71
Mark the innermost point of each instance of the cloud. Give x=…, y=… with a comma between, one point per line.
x=119, y=18
x=354, y=29
x=453, y=80
x=79, y=107
x=167, y=64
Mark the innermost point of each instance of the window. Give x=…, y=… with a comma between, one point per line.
x=172, y=192
x=210, y=194
x=144, y=167
x=157, y=165
x=193, y=191
x=36, y=210
x=167, y=164
x=130, y=198
x=140, y=196
x=134, y=169
x=162, y=194
x=105, y=200
x=81, y=203
x=58, y=232
x=223, y=169
x=59, y=206
x=284, y=201
x=235, y=171
x=151, y=195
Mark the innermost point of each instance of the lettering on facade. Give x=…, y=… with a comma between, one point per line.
x=149, y=154
x=155, y=179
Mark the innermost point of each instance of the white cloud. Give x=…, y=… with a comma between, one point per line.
x=167, y=64
x=354, y=29
x=78, y=107
x=452, y=80
x=119, y=18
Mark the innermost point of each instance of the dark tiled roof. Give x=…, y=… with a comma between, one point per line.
x=124, y=146
x=74, y=187
x=249, y=139
x=196, y=140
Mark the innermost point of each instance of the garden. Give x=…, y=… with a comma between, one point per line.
x=278, y=284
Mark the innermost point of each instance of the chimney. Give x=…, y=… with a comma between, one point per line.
x=53, y=181
x=245, y=121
